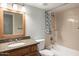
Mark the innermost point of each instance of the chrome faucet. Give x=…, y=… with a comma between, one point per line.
x=16, y=40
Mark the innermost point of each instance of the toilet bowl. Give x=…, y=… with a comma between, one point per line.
x=46, y=52
x=42, y=50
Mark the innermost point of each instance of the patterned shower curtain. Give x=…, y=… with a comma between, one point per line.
x=50, y=26
x=47, y=22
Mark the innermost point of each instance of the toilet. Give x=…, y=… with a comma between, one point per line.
x=42, y=50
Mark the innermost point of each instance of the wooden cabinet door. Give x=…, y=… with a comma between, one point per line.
x=18, y=52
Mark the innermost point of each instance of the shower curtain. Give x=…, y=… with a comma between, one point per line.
x=50, y=26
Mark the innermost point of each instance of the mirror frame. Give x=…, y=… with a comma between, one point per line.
x=2, y=35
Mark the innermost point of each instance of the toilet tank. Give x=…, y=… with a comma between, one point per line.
x=41, y=44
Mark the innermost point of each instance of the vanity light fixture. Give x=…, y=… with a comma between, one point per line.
x=4, y=5
x=15, y=7
x=23, y=9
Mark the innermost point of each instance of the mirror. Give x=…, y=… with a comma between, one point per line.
x=12, y=23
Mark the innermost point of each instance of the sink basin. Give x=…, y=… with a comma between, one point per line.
x=16, y=44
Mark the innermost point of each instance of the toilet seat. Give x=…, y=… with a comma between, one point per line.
x=46, y=52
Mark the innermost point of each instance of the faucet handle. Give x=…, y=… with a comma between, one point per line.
x=16, y=39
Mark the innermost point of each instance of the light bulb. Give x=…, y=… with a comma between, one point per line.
x=15, y=6
x=23, y=9
x=4, y=5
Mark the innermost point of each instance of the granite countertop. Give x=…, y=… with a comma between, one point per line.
x=5, y=46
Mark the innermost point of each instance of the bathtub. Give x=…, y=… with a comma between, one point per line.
x=60, y=50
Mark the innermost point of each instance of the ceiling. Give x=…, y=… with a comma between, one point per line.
x=53, y=7
x=46, y=6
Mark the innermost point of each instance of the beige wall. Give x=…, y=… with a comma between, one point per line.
x=68, y=28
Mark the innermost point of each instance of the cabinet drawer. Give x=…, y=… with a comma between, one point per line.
x=18, y=52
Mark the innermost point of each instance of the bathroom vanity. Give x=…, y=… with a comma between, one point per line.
x=26, y=47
